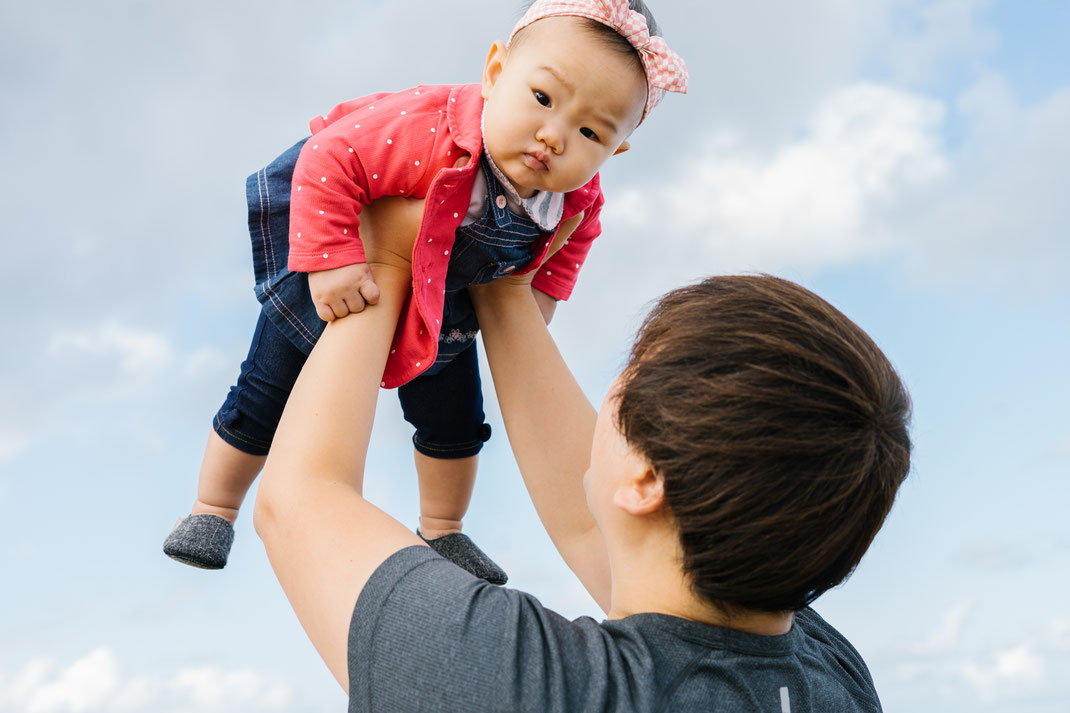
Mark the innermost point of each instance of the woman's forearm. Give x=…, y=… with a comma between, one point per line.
x=325, y=429
x=324, y=540
x=550, y=424
x=324, y=432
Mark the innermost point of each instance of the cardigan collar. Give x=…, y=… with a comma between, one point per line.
x=544, y=207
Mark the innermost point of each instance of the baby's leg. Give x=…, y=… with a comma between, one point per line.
x=445, y=491
x=225, y=478
x=245, y=425
x=237, y=448
x=446, y=408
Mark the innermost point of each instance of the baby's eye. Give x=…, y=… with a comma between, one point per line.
x=541, y=98
x=589, y=134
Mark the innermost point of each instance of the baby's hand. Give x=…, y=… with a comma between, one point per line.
x=343, y=290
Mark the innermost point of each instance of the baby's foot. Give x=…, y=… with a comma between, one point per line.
x=201, y=540
x=464, y=553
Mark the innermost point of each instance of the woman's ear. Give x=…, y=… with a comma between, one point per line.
x=641, y=494
x=493, y=68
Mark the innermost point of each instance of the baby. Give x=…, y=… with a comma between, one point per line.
x=564, y=94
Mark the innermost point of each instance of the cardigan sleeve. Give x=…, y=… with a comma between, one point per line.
x=363, y=150
x=557, y=276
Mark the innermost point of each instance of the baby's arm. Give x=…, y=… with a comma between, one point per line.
x=354, y=157
x=547, y=302
x=329, y=192
x=558, y=274
x=343, y=290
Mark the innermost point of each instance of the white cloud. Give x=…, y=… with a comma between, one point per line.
x=992, y=556
x=85, y=685
x=759, y=66
x=1002, y=218
x=928, y=35
x=13, y=441
x=1005, y=673
x=947, y=634
x=136, y=352
x=870, y=175
x=212, y=689
x=95, y=365
x=1019, y=663
x=1058, y=635
x=811, y=203
x=97, y=684
x=20, y=550
x=206, y=361
x=1029, y=667
x=1060, y=448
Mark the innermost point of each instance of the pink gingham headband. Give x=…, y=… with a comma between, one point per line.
x=665, y=70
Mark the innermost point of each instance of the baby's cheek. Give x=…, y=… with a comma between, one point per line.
x=494, y=132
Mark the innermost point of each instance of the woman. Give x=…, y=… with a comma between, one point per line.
x=739, y=467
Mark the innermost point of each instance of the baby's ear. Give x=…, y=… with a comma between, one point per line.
x=493, y=68
x=623, y=147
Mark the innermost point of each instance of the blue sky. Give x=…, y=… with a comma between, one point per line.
x=906, y=159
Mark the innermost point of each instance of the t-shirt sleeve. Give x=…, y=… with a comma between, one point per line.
x=841, y=657
x=426, y=635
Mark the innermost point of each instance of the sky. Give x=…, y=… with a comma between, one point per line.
x=908, y=160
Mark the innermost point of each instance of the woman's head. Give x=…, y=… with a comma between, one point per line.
x=779, y=430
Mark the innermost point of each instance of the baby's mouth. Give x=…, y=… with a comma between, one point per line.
x=536, y=161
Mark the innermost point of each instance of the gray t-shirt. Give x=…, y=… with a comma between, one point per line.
x=428, y=636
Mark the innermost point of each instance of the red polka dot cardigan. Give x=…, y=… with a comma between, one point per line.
x=405, y=144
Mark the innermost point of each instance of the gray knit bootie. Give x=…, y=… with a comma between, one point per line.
x=201, y=540
x=464, y=553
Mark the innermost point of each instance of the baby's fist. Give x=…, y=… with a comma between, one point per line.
x=342, y=291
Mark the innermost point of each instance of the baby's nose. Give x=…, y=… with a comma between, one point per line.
x=552, y=137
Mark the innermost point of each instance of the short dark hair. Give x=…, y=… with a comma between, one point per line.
x=781, y=432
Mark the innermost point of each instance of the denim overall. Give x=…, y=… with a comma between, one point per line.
x=445, y=403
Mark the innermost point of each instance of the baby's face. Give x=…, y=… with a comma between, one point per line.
x=558, y=105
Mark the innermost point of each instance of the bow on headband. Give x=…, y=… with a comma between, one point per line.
x=665, y=70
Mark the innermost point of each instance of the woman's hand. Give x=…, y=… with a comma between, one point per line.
x=506, y=285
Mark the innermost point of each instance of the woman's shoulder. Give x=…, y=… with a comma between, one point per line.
x=422, y=624
x=690, y=663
